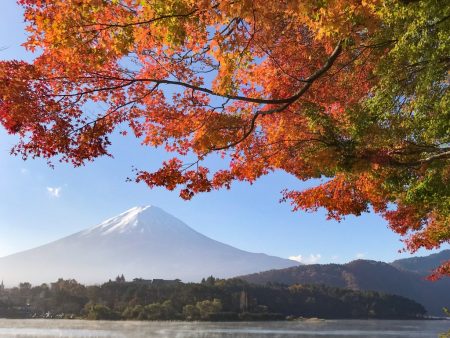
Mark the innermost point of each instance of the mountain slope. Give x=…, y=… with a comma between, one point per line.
x=422, y=265
x=364, y=275
x=142, y=242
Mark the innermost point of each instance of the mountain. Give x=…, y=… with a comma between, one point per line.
x=422, y=265
x=142, y=242
x=365, y=275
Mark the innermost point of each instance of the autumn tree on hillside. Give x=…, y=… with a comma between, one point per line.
x=351, y=91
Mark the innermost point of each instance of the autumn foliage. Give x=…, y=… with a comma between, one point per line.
x=354, y=92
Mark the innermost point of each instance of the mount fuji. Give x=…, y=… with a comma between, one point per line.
x=143, y=242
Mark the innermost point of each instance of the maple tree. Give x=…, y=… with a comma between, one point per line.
x=351, y=91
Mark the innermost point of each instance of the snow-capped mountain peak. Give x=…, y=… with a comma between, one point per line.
x=138, y=219
x=144, y=242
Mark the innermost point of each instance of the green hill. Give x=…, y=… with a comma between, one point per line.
x=368, y=276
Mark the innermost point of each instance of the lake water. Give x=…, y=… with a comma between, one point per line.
x=308, y=328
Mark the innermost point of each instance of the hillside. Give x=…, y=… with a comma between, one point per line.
x=364, y=275
x=422, y=265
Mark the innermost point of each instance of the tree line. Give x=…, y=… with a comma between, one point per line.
x=212, y=299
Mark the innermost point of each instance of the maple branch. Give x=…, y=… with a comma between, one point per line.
x=137, y=23
x=308, y=83
x=114, y=110
x=129, y=82
x=95, y=90
x=143, y=22
x=286, y=101
x=443, y=155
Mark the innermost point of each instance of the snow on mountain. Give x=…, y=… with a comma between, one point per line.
x=142, y=242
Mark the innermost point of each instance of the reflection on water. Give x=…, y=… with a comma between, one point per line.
x=328, y=328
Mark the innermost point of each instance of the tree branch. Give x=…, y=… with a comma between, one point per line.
x=308, y=82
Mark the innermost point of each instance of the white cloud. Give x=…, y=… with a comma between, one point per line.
x=360, y=255
x=296, y=258
x=54, y=191
x=23, y=171
x=311, y=259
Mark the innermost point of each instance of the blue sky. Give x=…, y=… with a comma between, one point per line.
x=39, y=204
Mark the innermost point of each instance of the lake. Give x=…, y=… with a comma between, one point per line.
x=308, y=328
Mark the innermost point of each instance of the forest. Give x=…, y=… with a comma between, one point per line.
x=211, y=300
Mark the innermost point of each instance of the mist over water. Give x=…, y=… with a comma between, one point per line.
x=308, y=328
